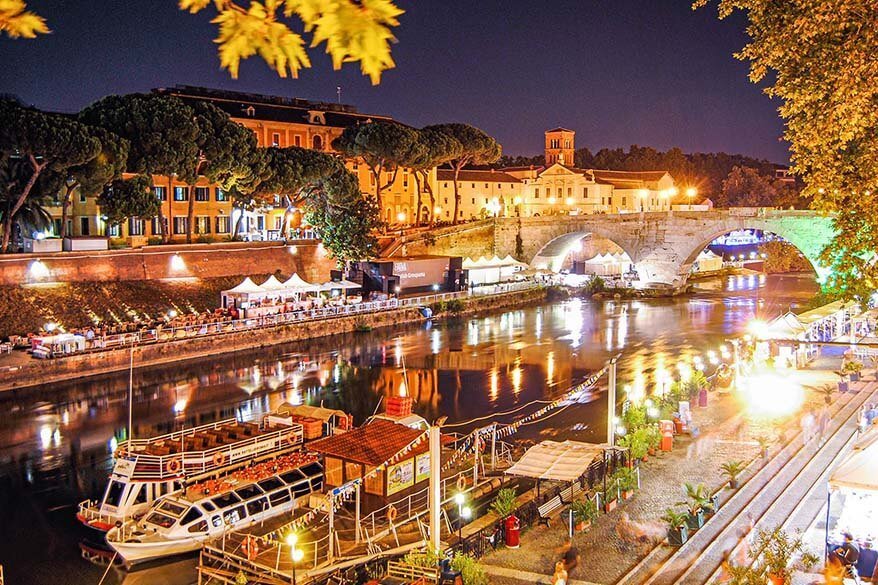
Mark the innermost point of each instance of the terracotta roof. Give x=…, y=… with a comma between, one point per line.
x=628, y=175
x=371, y=444
x=560, y=129
x=524, y=168
x=471, y=175
x=272, y=108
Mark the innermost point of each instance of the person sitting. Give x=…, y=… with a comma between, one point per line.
x=848, y=554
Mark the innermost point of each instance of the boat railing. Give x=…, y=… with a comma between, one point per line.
x=272, y=558
x=124, y=446
x=90, y=511
x=172, y=466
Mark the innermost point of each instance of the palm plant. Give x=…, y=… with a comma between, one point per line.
x=827, y=390
x=732, y=469
x=697, y=499
x=30, y=218
x=504, y=504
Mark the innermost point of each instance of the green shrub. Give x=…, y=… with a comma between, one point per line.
x=504, y=504
x=154, y=241
x=470, y=569
x=438, y=307
x=455, y=306
x=557, y=293
x=584, y=510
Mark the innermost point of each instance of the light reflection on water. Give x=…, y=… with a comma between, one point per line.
x=56, y=441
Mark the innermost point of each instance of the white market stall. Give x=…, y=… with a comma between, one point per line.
x=492, y=270
x=296, y=285
x=854, y=483
x=607, y=264
x=61, y=343
x=339, y=285
x=247, y=291
x=707, y=261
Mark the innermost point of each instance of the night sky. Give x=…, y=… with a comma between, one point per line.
x=619, y=72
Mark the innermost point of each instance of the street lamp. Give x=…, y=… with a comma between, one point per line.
x=691, y=192
x=643, y=195
x=296, y=554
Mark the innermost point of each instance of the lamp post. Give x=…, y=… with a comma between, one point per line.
x=463, y=513
x=296, y=554
x=691, y=192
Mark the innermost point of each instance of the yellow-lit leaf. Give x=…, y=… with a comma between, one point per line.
x=193, y=6
x=17, y=22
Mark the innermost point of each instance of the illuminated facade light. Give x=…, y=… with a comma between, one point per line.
x=177, y=263
x=38, y=270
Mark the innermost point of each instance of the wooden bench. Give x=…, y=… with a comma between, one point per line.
x=548, y=508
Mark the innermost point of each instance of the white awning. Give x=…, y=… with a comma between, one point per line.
x=247, y=286
x=340, y=284
x=858, y=471
x=272, y=284
x=296, y=284
x=565, y=461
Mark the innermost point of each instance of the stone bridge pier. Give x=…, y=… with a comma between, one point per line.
x=662, y=245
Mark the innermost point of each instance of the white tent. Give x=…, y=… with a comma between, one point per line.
x=245, y=291
x=707, y=261
x=295, y=284
x=565, y=461
x=341, y=284
x=787, y=326
x=272, y=285
x=858, y=471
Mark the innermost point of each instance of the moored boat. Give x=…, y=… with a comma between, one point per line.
x=181, y=522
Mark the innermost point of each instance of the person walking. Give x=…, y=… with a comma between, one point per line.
x=822, y=424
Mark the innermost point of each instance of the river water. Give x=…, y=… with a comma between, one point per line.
x=55, y=442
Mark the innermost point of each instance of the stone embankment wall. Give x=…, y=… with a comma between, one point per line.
x=37, y=372
x=173, y=261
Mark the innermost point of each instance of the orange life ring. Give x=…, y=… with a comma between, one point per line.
x=173, y=466
x=251, y=548
x=391, y=513
x=461, y=482
x=291, y=439
x=219, y=458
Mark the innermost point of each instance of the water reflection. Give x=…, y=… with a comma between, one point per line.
x=56, y=441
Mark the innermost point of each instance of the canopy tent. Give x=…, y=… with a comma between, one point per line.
x=245, y=291
x=295, y=284
x=492, y=270
x=565, y=461
x=707, y=261
x=272, y=284
x=341, y=284
x=858, y=471
x=787, y=326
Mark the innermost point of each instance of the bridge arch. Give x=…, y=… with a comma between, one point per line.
x=553, y=254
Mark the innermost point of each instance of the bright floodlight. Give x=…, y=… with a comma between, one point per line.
x=691, y=192
x=177, y=263
x=400, y=216
x=297, y=554
x=771, y=396
x=292, y=538
x=758, y=328
x=466, y=512
x=459, y=498
x=50, y=327
x=38, y=269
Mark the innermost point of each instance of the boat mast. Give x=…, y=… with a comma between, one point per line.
x=131, y=394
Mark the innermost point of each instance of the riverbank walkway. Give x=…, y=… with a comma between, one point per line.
x=791, y=468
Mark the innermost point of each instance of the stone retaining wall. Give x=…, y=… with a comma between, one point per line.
x=308, y=258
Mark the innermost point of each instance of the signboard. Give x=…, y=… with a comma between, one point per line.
x=422, y=467
x=423, y=272
x=124, y=467
x=400, y=476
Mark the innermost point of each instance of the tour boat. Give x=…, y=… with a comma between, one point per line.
x=147, y=469
x=182, y=522
x=738, y=238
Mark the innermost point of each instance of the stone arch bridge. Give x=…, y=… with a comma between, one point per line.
x=662, y=245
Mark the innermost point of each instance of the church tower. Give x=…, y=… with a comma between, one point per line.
x=559, y=146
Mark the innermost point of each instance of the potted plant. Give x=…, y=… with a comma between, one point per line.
x=654, y=439
x=627, y=479
x=842, y=381
x=585, y=512
x=852, y=368
x=677, y=531
x=504, y=503
x=781, y=555
x=732, y=469
x=697, y=498
x=610, y=496
x=827, y=390
x=764, y=443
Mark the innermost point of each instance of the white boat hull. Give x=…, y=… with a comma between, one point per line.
x=140, y=552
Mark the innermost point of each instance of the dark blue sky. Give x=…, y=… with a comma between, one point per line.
x=619, y=72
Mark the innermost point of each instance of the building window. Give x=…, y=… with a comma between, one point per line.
x=317, y=142
x=84, y=228
x=405, y=178
x=81, y=197
x=486, y=185
x=356, y=165
x=181, y=193
x=559, y=191
x=446, y=186
x=486, y=200
x=297, y=140
x=473, y=185
x=221, y=195
x=570, y=191
x=202, y=193
x=474, y=202
x=136, y=227
x=114, y=230
x=624, y=203
x=56, y=227
x=180, y=225
x=499, y=186
x=202, y=224
x=446, y=203
x=222, y=224
x=585, y=192
x=536, y=196
x=260, y=223
x=160, y=193
x=278, y=222
x=156, y=227
x=275, y=139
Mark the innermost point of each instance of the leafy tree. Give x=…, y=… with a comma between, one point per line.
x=40, y=142
x=383, y=146
x=818, y=58
x=473, y=146
x=90, y=177
x=352, y=30
x=434, y=148
x=745, y=187
x=782, y=256
x=17, y=22
x=124, y=199
x=346, y=219
x=224, y=151
x=163, y=133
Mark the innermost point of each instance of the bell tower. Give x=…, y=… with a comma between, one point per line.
x=559, y=146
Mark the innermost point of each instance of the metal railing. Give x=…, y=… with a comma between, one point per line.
x=172, y=465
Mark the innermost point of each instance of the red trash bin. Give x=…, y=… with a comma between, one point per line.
x=513, y=532
x=666, y=427
x=702, y=398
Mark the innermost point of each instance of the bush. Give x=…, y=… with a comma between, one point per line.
x=557, y=293
x=584, y=510
x=470, y=569
x=595, y=285
x=154, y=241
x=504, y=504
x=455, y=306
